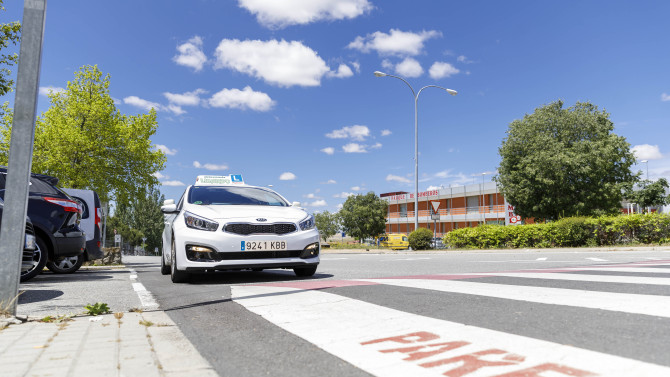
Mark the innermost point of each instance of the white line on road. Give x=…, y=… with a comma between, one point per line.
x=540, y=259
x=619, y=302
x=146, y=298
x=389, y=342
x=405, y=259
x=597, y=259
x=642, y=270
x=581, y=277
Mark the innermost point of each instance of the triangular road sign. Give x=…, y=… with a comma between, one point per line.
x=436, y=205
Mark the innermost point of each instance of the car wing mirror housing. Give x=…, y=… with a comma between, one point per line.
x=169, y=208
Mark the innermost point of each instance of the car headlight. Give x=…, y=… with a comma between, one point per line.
x=30, y=242
x=197, y=222
x=307, y=223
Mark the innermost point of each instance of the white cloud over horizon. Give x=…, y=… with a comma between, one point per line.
x=287, y=176
x=441, y=70
x=386, y=132
x=409, y=67
x=45, y=90
x=243, y=99
x=185, y=99
x=208, y=166
x=665, y=97
x=166, y=150
x=354, y=148
x=318, y=203
x=173, y=183
x=396, y=178
x=396, y=42
x=190, y=54
x=282, y=13
x=279, y=63
x=343, y=71
x=646, y=152
x=355, y=132
x=328, y=150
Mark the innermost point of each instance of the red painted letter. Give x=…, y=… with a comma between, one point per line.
x=414, y=355
x=537, y=370
x=473, y=362
x=420, y=336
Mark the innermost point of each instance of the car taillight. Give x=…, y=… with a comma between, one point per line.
x=68, y=205
x=98, y=218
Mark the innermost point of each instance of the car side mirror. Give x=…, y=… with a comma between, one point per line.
x=169, y=208
x=168, y=201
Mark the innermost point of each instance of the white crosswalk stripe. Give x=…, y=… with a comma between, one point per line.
x=389, y=342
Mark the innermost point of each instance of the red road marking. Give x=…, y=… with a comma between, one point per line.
x=536, y=370
x=413, y=355
x=421, y=336
x=317, y=284
x=475, y=361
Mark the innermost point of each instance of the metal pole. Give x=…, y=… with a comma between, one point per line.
x=416, y=161
x=12, y=234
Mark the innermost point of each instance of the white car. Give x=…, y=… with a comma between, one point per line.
x=220, y=223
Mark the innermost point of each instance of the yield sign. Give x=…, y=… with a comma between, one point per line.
x=435, y=204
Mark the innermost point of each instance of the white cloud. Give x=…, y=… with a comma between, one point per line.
x=343, y=195
x=387, y=64
x=243, y=99
x=328, y=150
x=198, y=165
x=664, y=97
x=158, y=175
x=440, y=70
x=356, y=132
x=386, y=132
x=173, y=183
x=318, y=203
x=310, y=196
x=397, y=42
x=340, y=206
x=343, y=71
x=175, y=109
x=409, y=68
x=190, y=54
x=430, y=188
x=141, y=103
x=279, y=63
x=185, y=99
x=357, y=66
x=45, y=90
x=287, y=176
x=396, y=178
x=166, y=150
x=354, y=148
x=356, y=188
x=282, y=13
x=331, y=182
x=646, y=152
x=376, y=146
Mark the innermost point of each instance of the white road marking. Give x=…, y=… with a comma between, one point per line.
x=389, y=342
x=146, y=298
x=620, y=302
x=405, y=259
x=583, y=277
x=540, y=259
x=133, y=274
x=597, y=259
x=643, y=270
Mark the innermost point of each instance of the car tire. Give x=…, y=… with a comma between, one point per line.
x=305, y=271
x=66, y=265
x=176, y=275
x=165, y=269
x=39, y=260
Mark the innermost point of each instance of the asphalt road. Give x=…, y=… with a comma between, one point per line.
x=608, y=307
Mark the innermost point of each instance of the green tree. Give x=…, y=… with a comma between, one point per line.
x=420, y=239
x=327, y=223
x=141, y=218
x=87, y=143
x=649, y=194
x=561, y=162
x=10, y=34
x=364, y=215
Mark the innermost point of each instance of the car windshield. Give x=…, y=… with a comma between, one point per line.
x=216, y=195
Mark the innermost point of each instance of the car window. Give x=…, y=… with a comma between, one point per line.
x=41, y=187
x=404, y=238
x=2, y=181
x=181, y=201
x=216, y=195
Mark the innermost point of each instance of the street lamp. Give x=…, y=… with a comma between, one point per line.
x=416, y=137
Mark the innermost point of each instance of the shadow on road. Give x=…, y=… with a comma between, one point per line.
x=37, y=295
x=250, y=277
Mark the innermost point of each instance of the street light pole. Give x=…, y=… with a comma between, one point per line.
x=646, y=162
x=416, y=137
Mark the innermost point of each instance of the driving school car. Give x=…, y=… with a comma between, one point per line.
x=221, y=223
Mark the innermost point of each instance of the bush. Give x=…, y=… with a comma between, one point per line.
x=420, y=239
x=651, y=228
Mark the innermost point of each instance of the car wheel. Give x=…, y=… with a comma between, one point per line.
x=165, y=269
x=304, y=272
x=176, y=275
x=40, y=257
x=66, y=265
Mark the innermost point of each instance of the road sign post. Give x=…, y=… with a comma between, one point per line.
x=12, y=234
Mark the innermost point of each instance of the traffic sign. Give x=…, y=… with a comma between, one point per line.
x=435, y=204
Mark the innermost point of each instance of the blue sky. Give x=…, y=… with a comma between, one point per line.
x=283, y=91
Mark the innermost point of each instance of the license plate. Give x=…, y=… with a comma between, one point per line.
x=263, y=245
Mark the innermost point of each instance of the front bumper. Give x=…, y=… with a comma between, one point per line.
x=227, y=252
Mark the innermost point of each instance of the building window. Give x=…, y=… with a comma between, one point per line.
x=472, y=204
x=403, y=210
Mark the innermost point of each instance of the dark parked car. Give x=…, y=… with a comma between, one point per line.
x=55, y=217
x=27, y=261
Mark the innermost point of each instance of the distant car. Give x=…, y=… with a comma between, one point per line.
x=55, y=217
x=220, y=223
x=394, y=241
x=28, y=251
x=91, y=224
x=437, y=243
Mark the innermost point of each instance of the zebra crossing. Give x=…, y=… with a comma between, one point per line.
x=389, y=339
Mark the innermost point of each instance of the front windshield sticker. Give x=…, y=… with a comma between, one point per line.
x=198, y=202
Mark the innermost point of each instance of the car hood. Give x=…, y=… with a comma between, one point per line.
x=249, y=213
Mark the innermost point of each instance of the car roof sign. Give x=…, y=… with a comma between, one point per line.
x=219, y=180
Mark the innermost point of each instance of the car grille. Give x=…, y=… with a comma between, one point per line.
x=246, y=229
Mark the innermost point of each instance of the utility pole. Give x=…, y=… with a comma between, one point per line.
x=12, y=234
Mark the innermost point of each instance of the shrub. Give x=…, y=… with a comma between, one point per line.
x=420, y=239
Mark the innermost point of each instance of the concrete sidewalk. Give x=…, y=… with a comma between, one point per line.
x=120, y=344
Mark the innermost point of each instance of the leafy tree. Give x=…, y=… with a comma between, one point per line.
x=649, y=193
x=364, y=215
x=420, y=239
x=140, y=218
x=87, y=143
x=10, y=33
x=327, y=223
x=561, y=162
